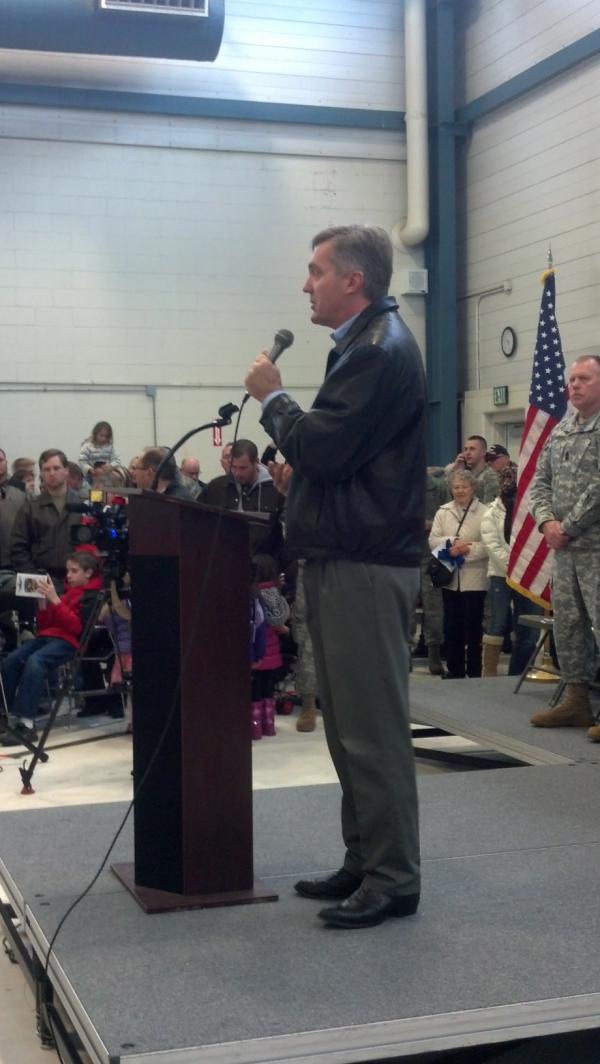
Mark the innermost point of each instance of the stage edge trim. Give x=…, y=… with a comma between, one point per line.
x=346, y=1045
x=396, y=1038
x=66, y=993
x=13, y=895
x=503, y=744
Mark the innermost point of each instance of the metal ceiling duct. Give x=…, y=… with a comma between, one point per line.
x=156, y=29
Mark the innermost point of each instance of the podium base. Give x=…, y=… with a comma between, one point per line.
x=153, y=900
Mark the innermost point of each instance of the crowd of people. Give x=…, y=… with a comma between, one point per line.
x=473, y=532
x=38, y=523
x=469, y=504
x=468, y=523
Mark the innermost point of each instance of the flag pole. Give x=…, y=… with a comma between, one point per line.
x=549, y=271
x=543, y=669
x=530, y=557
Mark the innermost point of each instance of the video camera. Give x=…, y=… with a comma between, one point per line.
x=103, y=524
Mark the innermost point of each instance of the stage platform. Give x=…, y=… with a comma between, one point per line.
x=488, y=712
x=503, y=947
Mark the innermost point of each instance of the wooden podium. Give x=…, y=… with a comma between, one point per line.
x=190, y=574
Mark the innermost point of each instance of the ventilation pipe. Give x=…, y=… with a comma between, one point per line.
x=416, y=227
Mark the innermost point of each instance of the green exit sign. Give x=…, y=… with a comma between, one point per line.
x=501, y=395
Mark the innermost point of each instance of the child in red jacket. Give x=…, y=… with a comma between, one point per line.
x=59, y=625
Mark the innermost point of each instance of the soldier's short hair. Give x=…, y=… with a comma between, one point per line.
x=588, y=358
x=480, y=439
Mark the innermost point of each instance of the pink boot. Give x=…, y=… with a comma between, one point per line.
x=268, y=716
x=257, y=718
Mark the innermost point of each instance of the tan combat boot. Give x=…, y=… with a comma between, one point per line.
x=491, y=651
x=434, y=660
x=307, y=717
x=594, y=733
x=573, y=710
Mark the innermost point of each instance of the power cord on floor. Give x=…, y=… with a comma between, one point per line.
x=161, y=739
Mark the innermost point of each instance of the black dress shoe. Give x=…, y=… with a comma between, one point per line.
x=366, y=908
x=340, y=885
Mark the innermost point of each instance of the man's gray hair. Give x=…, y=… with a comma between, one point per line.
x=588, y=358
x=365, y=248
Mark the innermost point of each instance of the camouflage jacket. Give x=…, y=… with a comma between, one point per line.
x=488, y=484
x=566, y=485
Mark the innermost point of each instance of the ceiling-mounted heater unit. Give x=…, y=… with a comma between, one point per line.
x=168, y=7
x=155, y=29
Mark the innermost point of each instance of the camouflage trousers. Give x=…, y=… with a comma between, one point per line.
x=433, y=607
x=576, y=605
x=306, y=677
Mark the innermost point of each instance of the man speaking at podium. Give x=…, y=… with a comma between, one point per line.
x=355, y=511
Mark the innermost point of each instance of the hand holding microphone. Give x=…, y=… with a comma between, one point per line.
x=281, y=474
x=264, y=377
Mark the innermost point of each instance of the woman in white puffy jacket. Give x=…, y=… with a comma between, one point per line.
x=495, y=532
x=464, y=597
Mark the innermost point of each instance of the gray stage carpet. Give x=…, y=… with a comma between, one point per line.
x=503, y=946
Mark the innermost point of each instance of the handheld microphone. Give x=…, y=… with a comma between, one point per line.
x=283, y=339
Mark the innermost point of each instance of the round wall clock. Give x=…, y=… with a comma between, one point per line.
x=508, y=341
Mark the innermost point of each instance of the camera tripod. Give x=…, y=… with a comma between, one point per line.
x=100, y=598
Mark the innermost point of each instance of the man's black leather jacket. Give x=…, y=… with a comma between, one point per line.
x=358, y=455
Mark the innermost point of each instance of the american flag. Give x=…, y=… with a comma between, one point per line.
x=530, y=558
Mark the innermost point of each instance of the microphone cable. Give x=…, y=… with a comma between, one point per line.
x=138, y=787
x=283, y=339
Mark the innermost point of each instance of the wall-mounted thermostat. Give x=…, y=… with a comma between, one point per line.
x=414, y=282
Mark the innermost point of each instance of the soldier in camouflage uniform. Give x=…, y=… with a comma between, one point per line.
x=565, y=502
x=436, y=494
x=306, y=676
x=473, y=458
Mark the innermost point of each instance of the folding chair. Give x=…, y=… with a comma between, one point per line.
x=545, y=626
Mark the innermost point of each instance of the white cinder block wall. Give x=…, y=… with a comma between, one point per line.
x=145, y=250
x=530, y=176
x=144, y=259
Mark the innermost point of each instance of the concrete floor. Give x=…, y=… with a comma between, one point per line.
x=100, y=772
